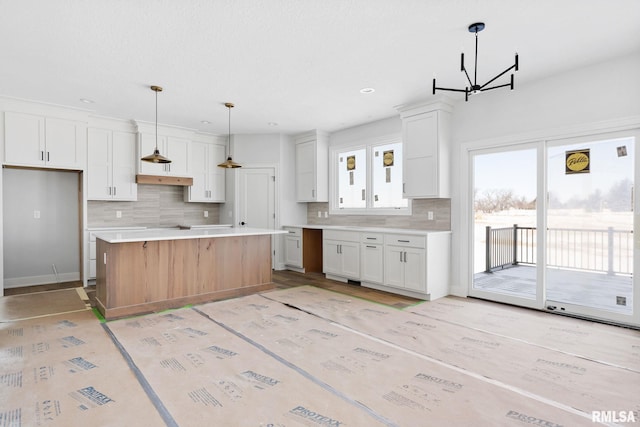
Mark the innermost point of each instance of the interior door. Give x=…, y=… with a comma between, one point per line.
x=256, y=198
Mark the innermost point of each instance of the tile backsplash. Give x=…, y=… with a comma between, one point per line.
x=418, y=220
x=157, y=206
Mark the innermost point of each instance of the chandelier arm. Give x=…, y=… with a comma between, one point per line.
x=496, y=87
x=464, y=69
x=452, y=90
x=498, y=76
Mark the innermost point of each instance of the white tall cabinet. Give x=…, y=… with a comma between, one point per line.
x=312, y=167
x=39, y=141
x=111, y=158
x=426, y=146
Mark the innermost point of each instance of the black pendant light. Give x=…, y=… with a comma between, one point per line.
x=156, y=157
x=229, y=163
x=474, y=87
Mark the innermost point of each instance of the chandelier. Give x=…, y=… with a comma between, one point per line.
x=474, y=87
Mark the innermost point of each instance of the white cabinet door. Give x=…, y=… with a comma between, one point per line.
x=147, y=145
x=350, y=254
x=415, y=269
x=305, y=171
x=331, y=259
x=99, y=165
x=123, y=155
x=293, y=251
x=199, y=191
x=394, y=266
x=216, y=174
x=178, y=151
x=63, y=139
x=425, y=138
x=24, y=139
x=372, y=266
x=312, y=167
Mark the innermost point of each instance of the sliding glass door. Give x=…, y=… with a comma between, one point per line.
x=590, y=223
x=505, y=225
x=553, y=226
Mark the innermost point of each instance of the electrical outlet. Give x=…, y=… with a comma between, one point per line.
x=326, y=214
x=118, y=214
x=430, y=215
x=36, y=214
x=319, y=214
x=206, y=214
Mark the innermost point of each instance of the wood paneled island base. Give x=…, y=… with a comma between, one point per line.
x=146, y=276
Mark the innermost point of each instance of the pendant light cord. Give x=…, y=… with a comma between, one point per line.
x=229, y=137
x=156, y=120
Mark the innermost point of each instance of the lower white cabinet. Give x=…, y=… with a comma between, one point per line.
x=415, y=265
x=293, y=247
x=371, y=258
x=341, y=255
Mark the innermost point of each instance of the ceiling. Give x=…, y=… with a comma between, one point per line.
x=289, y=65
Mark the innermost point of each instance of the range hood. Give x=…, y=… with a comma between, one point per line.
x=182, y=181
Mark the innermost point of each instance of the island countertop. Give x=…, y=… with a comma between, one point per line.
x=155, y=234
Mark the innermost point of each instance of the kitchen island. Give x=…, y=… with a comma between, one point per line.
x=149, y=270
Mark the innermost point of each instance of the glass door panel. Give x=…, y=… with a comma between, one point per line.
x=590, y=222
x=505, y=221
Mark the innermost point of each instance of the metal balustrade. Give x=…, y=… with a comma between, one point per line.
x=609, y=251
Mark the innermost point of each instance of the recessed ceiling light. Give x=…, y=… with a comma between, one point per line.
x=86, y=101
x=272, y=124
x=367, y=90
x=205, y=122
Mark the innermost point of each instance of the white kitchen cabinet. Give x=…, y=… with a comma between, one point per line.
x=111, y=157
x=405, y=262
x=38, y=141
x=426, y=141
x=208, y=179
x=312, y=167
x=293, y=247
x=341, y=255
x=172, y=147
x=371, y=257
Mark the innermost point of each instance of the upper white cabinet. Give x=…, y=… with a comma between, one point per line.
x=174, y=148
x=426, y=141
x=312, y=167
x=38, y=141
x=111, y=157
x=208, y=179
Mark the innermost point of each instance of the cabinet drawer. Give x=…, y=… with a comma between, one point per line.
x=293, y=231
x=372, y=238
x=345, y=236
x=406, y=240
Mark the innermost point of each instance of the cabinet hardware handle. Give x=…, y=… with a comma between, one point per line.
x=405, y=257
x=404, y=241
x=47, y=156
x=42, y=155
x=298, y=244
x=372, y=247
x=403, y=190
x=292, y=232
x=371, y=238
x=363, y=194
x=313, y=193
x=109, y=190
x=114, y=190
x=400, y=256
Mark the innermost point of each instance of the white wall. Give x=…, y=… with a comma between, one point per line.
x=33, y=245
x=598, y=98
x=391, y=126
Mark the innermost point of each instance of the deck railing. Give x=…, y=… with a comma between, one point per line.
x=609, y=250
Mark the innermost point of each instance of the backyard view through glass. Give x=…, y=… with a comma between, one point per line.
x=588, y=249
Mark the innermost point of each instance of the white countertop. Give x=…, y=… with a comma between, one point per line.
x=368, y=229
x=153, y=234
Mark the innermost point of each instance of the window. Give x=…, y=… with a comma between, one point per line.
x=367, y=179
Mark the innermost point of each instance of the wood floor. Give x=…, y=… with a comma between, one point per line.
x=283, y=279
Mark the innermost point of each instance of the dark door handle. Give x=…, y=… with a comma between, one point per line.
x=242, y=223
